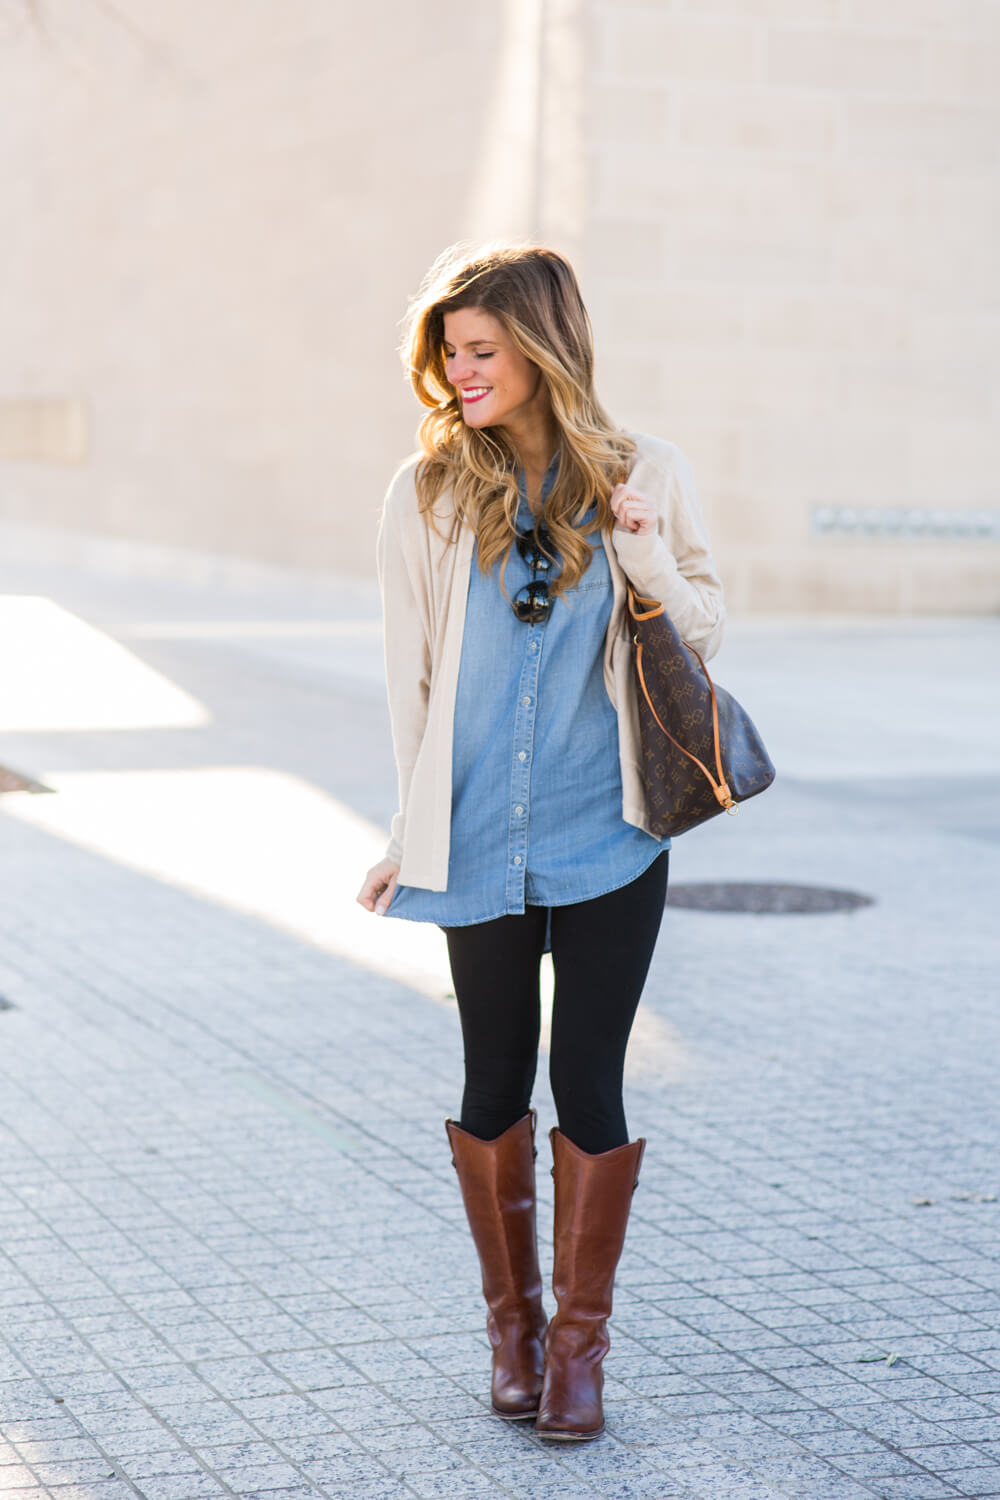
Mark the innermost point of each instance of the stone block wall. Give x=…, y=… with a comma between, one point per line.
x=213, y=218
x=791, y=246
x=784, y=214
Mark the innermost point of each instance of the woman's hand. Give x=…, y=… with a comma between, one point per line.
x=379, y=886
x=632, y=511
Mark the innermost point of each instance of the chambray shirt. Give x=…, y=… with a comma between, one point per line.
x=536, y=817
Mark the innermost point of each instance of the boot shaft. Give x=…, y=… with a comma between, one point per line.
x=497, y=1179
x=593, y=1198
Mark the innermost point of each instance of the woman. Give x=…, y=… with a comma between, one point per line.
x=505, y=549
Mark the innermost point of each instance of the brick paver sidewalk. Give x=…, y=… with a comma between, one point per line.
x=234, y=1257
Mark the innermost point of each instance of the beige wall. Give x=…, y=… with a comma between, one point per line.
x=792, y=233
x=211, y=228
x=783, y=212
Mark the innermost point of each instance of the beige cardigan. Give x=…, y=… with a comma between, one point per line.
x=425, y=581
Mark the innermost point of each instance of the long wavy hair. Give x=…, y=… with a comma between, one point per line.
x=533, y=293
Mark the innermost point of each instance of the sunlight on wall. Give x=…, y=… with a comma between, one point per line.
x=504, y=187
x=270, y=845
x=58, y=673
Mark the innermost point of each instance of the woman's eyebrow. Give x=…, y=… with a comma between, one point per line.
x=472, y=343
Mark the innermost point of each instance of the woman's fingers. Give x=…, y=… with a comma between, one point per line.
x=632, y=511
x=387, y=894
x=379, y=886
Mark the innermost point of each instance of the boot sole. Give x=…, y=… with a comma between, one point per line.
x=515, y=1416
x=571, y=1437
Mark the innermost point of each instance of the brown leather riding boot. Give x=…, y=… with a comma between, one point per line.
x=497, y=1179
x=593, y=1197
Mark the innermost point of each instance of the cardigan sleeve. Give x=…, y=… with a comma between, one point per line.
x=406, y=645
x=674, y=564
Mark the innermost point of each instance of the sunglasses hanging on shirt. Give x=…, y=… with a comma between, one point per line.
x=532, y=603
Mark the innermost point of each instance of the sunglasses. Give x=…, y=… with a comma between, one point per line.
x=532, y=603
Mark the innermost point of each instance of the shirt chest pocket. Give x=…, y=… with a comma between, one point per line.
x=596, y=580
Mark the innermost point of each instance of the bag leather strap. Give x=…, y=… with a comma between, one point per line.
x=722, y=793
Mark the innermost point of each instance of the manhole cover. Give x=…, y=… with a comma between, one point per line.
x=783, y=900
x=13, y=781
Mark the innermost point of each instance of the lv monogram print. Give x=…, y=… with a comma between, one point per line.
x=701, y=750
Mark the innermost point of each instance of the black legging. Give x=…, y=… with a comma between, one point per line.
x=601, y=950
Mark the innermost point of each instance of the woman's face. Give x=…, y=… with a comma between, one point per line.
x=498, y=385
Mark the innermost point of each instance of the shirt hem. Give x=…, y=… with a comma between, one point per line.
x=542, y=905
x=663, y=849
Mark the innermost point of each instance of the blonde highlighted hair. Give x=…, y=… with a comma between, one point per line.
x=533, y=293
